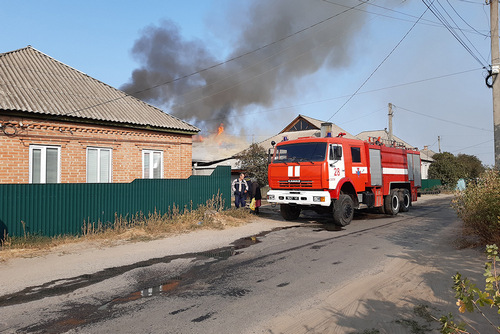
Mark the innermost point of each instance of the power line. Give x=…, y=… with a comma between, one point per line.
x=460, y=16
x=345, y=96
x=223, y=62
x=445, y=120
x=422, y=20
x=383, y=61
x=453, y=29
x=465, y=148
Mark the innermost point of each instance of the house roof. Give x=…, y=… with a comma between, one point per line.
x=35, y=83
x=427, y=155
x=303, y=123
x=291, y=135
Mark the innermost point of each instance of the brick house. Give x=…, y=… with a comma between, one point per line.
x=59, y=125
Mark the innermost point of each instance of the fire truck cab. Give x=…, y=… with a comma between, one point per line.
x=338, y=175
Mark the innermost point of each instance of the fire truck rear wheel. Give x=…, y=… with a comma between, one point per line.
x=343, y=210
x=405, y=200
x=289, y=212
x=391, y=203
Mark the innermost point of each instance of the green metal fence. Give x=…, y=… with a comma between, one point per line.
x=430, y=183
x=60, y=209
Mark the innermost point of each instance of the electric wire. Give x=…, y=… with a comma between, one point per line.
x=218, y=119
x=465, y=148
x=236, y=57
x=383, y=61
x=444, y=120
x=467, y=23
x=223, y=62
x=453, y=30
x=250, y=78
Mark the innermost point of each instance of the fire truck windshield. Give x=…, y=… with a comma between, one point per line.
x=300, y=152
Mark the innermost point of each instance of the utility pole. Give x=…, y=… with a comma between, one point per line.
x=495, y=69
x=439, y=143
x=390, y=123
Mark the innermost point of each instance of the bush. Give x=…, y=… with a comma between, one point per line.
x=472, y=299
x=479, y=208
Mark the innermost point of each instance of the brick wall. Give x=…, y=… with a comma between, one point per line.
x=17, y=134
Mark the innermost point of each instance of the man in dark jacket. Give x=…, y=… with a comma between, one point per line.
x=240, y=188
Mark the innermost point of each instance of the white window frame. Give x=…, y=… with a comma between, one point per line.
x=151, y=160
x=110, y=169
x=43, y=162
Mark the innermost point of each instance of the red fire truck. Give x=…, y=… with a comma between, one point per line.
x=338, y=175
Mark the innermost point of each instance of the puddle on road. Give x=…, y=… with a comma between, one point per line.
x=68, y=285
x=77, y=315
x=80, y=314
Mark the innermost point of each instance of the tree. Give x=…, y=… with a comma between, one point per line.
x=449, y=168
x=471, y=166
x=254, y=161
x=445, y=168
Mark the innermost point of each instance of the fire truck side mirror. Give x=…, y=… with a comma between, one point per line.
x=270, y=153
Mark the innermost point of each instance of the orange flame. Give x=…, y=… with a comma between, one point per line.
x=198, y=138
x=220, y=129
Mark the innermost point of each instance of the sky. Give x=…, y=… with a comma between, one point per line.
x=255, y=65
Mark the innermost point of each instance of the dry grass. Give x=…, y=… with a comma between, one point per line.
x=132, y=229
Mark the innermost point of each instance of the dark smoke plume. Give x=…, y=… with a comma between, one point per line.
x=260, y=76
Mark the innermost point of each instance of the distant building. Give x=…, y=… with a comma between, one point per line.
x=304, y=126
x=301, y=126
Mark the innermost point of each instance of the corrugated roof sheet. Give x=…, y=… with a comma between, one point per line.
x=33, y=82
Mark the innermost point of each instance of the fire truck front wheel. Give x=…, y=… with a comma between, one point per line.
x=343, y=210
x=391, y=203
x=289, y=212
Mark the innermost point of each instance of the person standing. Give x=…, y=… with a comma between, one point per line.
x=240, y=189
x=255, y=193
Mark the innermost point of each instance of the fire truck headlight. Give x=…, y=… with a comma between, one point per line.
x=271, y=197
x=318, y=198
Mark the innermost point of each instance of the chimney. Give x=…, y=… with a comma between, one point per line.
x=326, y=129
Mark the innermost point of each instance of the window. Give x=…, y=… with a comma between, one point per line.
x=152, y=164
x=315, y=151
x=98, y=165
x=302, y=125
x=45, y=164
x=356, y=154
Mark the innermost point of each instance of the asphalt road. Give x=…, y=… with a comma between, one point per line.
x=306, y=278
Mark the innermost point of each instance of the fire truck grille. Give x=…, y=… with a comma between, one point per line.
x=299, y=184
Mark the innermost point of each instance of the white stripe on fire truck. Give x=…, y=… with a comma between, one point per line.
x=395, y=171
x=293, y=172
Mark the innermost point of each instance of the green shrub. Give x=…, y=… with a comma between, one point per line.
x=472, y=299
x=479, y=207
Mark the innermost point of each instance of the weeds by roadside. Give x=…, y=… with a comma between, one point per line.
x=479, y=208
x=140, y=227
